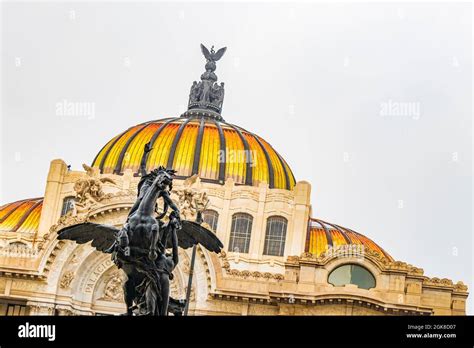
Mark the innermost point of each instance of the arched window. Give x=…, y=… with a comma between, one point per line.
x=240, y=232
x=352, y=274
x=210, y=217
x=275, y=236
x=68, y=205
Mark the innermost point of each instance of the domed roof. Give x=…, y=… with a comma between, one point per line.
x=21, y=216
x=323, y=235
x=211, y=148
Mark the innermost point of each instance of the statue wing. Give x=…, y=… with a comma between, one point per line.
x=102, y=236
x=206, y=52
x=218, y=55
x=191, y=233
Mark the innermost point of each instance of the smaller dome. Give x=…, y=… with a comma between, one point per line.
x=323, y=235
x=21, y=216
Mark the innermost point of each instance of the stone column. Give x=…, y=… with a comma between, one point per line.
x=226, y=218
x=51, y=204
x=300, y=218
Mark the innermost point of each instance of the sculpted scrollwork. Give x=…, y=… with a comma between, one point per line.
x=190, y=200
x=244, y=274
x=90, y=195
x=66, y=280
x=113, y=290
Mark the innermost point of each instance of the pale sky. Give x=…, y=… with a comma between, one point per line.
x=370, y=103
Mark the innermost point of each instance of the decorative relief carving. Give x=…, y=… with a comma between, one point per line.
x=66, y=220
x=176, y=290
x=39, y=308
x=66, y=280
x=460, y=286
x=245, y=195
x=190, y=200
x=18, y=250
x=90, y=195
x=280, y=197
x=244, y=274
x=185, y=266
x=216, y=193
x=74, y=259
x=24, y=285
x=437, y=281
x=113, y=290
x=386, y=265
x=192, y=295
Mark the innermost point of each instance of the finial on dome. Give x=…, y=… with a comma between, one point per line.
x=207, y=95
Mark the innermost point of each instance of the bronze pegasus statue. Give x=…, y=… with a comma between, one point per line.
x=140, y=247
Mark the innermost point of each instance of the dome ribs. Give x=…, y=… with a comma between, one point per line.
x=213, y=149
x=8, y=207
x=20, y=203
x=350, y=236
x=197, y=154
x=366, y=240
x=287, y=178
x=328, y=233
x=21, y=216
x=26, y=215
x=319, y=238
x=176, y=139
x=186, y=150
x=110, y=143
x=271, y=174
x=102, y=162
x=280, y=176
x=222, y=151
x=118, y=167
x=248, y=159
x=157, y=133
x=341, y=230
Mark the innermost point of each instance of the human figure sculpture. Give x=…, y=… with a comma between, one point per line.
x=140, y=247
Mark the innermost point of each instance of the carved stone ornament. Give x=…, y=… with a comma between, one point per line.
x=66, y=280
x=89, y=196
x=113, y=290
x=190, y=200
x=244, y=274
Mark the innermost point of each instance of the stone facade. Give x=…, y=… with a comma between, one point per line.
x=44, y=276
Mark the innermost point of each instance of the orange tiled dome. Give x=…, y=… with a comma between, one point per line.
x=21, y=216
x=211, y=148
x=322, y=235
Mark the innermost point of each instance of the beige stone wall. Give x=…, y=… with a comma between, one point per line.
x=61, y=277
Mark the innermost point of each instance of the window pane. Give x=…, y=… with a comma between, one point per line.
x=68, y=205
x=275, y=236
x=352, y=274
x=211, y=217
x=240, y=233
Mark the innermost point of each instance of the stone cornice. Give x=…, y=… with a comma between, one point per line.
x=246, y=274
x=384, y=264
